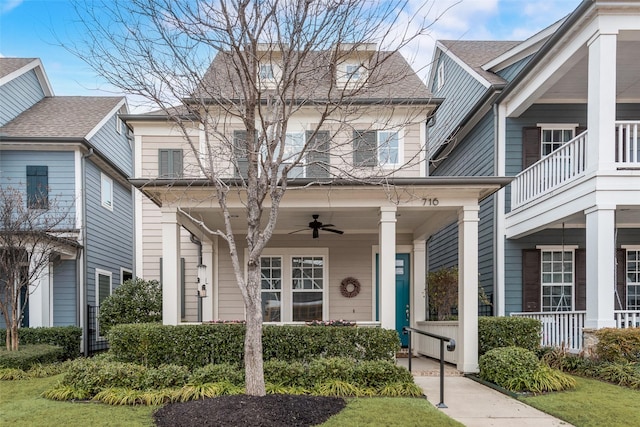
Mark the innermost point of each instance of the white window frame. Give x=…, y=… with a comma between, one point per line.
x=290, y=154
x=106, y=197
x=272, y=290
x=563, y=127
x=118, y=124
x=566, y=248
x=351, y=74
x=122, y=271
x=629, y=284
x=269, y=81
x=287, y=255
x=379, y=147
x=101, y=272
x=440, y=76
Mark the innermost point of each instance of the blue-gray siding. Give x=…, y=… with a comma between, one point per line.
x=114, y=145
x=18, y=95
x=13, y=168
x=460, y=92
x=473, y=157
x=65, y=294
x=512, y=70
x=109, y=244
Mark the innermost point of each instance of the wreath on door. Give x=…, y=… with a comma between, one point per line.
x=350, y=287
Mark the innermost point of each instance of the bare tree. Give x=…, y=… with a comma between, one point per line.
x=258, y=64
x=33, y=231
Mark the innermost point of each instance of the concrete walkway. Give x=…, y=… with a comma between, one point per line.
x=472, y=403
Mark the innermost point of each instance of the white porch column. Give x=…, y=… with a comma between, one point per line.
x=387, y=266
x=170, y=267
x=601, y=102
x=40, y=292
x=601, y=267
x=468, y=289
x=208, y=301
x=419, y=281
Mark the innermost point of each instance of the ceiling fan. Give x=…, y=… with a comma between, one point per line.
x=316, y=226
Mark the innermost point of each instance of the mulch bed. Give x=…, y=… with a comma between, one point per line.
x=242, y=410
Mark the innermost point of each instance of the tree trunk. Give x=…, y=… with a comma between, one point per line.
x=14, y=335
x=254, y=373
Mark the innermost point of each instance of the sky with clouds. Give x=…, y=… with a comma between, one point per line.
x=35, y=28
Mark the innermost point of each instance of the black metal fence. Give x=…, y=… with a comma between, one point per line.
x=95, y=343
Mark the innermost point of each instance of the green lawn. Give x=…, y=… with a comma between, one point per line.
x=21, y=405
x=592, y=403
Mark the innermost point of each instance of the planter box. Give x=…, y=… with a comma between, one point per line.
x=430, y=346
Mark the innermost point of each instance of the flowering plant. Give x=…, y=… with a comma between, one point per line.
x=331, y=323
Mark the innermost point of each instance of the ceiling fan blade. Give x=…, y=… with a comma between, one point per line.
x=297, y=231
x=333, y=230
x=326, y=225
x=316, y=233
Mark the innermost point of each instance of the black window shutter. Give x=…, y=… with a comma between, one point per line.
x=318, y=159
x=365, y=150
x=240, y=154
x=531, y=287
x=530, y=146
x=37, y=187
x=621, y=279
x=581, y=279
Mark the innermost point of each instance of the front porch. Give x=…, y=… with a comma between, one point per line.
x=564, y=329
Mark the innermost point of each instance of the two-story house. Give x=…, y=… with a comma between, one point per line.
x=558, y=111
x=350, y=240
x=76, y=151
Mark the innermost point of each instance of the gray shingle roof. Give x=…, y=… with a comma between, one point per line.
x=9, y=65
x=61, y=117
x=476, y=53
x=393, y=79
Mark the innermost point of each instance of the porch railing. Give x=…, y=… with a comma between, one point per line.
x=561, y=166
x=560, y=329
x=627, y=144
x=564, y=329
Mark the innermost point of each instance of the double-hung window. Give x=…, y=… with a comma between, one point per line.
x=103, y=290
x=293, y=284
x=38, y=187
x=106, y=191
x=376, y=148
x=633, y=279
x=557, y=279
x=554, y=137
x=294, y=144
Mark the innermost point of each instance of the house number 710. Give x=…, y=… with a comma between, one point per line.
x=432, y=202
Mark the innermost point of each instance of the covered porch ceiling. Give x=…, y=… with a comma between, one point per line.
x=423, y=206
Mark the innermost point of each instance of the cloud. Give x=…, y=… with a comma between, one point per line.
x=9, y=5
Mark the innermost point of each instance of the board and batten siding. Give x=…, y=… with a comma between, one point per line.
x=115, y=146
x=474, y=156
x=460, y=92
x=61, y=177
x=109, y=244
x=18, y=95
x=65, y=294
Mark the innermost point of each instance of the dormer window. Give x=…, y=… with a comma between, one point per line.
x=266, y=72
x=352, y=72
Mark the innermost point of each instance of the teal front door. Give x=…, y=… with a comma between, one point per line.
x=403, y=273
x=402, y=296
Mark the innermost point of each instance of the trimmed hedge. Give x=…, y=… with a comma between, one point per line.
x=29, y=355
x=496, y=332
x=618, y=345
x=67, y=337
x=199, y=345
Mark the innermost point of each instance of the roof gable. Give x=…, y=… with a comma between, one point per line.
x=10, y=68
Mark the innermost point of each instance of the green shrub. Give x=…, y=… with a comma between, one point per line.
x=330, y=369
x=376, y=373
x=616, y=345
x=286, y=374
x=233, y=374
x=199, y=345
x=543, y=379
x=505, y=364
x=93, y=376
x=165, y=376
x=67, y=337
x=135, y=301
x=496, y=332
x=29, y=355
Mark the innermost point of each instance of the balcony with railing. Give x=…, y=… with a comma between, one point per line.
x=564, y=329
x=570, y=162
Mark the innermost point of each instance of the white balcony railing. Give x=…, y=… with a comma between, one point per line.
x=627, y=144
x=564, y=329
x=563, y=165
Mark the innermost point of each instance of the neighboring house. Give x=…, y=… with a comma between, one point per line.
x=79, y=150
x=385, y=227
x=560, y=112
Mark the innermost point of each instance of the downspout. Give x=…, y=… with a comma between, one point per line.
x=83, y=276
x=496, y=208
